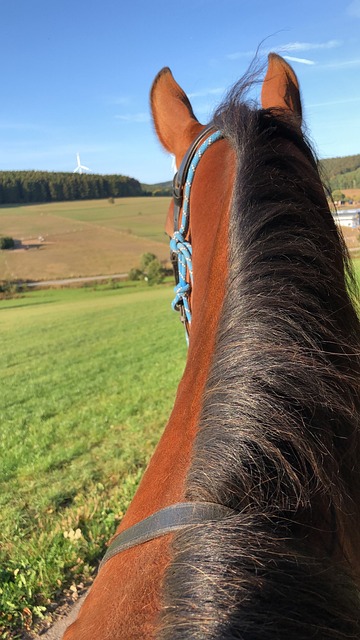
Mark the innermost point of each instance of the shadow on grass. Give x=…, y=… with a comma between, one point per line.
x=26, y=304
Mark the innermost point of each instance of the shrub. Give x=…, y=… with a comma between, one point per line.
x=151, y=270
x=135, y=274
x=10, y=290
x=155, y=272
x=7, y=242
x=146, y=259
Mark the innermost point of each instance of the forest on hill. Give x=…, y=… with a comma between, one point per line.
x=20, y=187
x=337, y=173
x=158, y=189
x=342, y=173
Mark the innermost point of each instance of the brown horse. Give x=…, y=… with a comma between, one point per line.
x=266, y=417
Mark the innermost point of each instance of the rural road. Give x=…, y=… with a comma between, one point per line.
x=65, y=281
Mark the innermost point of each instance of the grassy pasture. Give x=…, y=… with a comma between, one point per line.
x=356, y=263
x=81, y=413
x=82, y=238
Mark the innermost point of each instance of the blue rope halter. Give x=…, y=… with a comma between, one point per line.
x=178, y=245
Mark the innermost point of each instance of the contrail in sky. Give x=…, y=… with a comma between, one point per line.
x=302, y=60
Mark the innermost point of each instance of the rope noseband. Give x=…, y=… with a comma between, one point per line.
x=180, y=248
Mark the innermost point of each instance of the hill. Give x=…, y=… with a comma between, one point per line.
x=338, y=173
x=20, y=187
x=342, y=172
x=158, y=189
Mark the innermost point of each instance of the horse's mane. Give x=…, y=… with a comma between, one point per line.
x=278, y=438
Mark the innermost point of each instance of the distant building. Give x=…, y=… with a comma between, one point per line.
x=348, y=218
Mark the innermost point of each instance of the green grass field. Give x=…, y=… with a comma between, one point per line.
x=81, y=413
x=356, y=262
x=82, y=238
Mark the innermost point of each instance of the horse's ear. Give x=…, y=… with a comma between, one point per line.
x=280, y=89
x=174, y=120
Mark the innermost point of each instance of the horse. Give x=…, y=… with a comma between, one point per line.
x=246, y=523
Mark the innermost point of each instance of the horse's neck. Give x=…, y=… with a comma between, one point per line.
x=164, y=480
x=163, y=483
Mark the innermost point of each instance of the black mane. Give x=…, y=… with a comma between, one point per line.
x=278, y=438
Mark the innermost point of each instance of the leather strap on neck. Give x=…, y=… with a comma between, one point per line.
x=174, y=518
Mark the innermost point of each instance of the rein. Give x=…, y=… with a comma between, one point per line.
x=180, y=247
x=183, y=514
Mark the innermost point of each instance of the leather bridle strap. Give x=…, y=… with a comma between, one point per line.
x=181, y=175
x=168, y=520
x=180, y=243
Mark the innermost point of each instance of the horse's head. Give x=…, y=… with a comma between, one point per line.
x=211, y=186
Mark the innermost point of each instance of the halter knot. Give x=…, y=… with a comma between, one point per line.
x=183, y=250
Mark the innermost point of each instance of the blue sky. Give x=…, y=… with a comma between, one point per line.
x=75, y=74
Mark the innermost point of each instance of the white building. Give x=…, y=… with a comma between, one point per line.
x=348, y=218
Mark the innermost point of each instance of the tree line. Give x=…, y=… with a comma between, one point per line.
x=342, y=173
x=44, y=186
x=334, y=166
x=349, y=180
x=18, y=187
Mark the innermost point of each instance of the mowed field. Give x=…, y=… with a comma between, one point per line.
x=353, y=194
x=88, y=238
x=82, y=238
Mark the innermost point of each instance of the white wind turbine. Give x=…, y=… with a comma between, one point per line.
x=80, y=167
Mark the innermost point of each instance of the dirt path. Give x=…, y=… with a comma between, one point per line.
x=57, y=630
x=66, y=281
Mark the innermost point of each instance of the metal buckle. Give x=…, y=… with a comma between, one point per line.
x=175, y=265
x=178, y=188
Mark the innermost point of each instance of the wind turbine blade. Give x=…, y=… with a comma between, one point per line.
x=83, y=167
